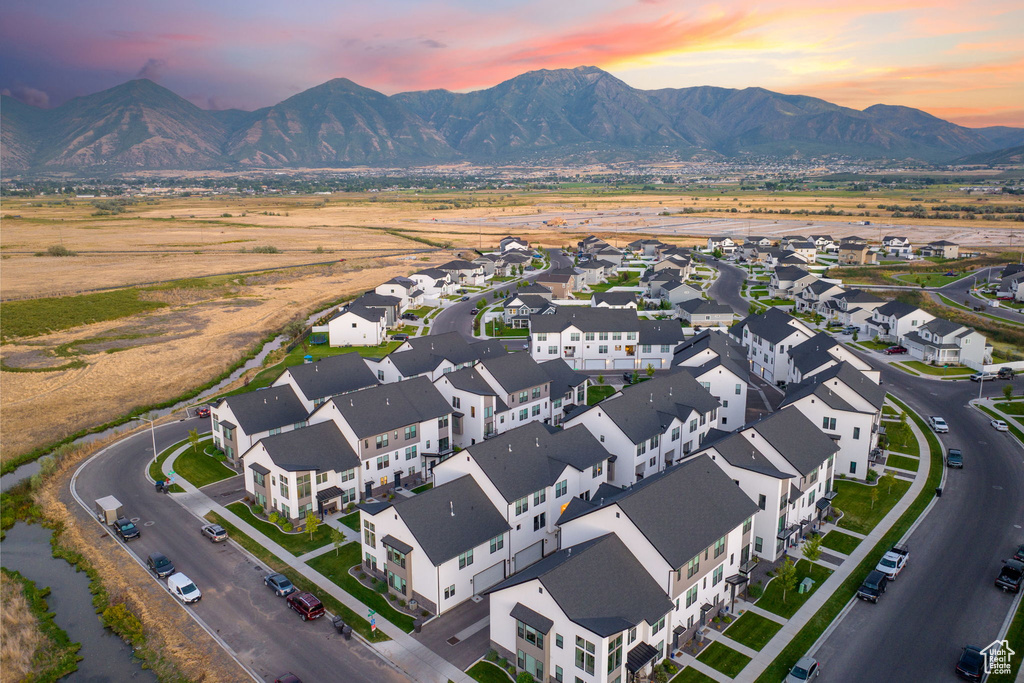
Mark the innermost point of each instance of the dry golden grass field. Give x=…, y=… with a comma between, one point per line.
x=21, y=634
x=155, y=356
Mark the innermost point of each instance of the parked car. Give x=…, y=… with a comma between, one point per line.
x=893, y=562
x=401, y=336
x=1006, y=373
x=160, y=565
x=203, y=411
x=465, y=298
x=288, y=678
x=850, y=329
x=306, y=604
x=893, y=350
x=1019, y=555
x=126, y=529
x=950, y=273
x=954, y=458
x=873, y=586
x=475, y=311
x=983, y=376
x=1004, y=298
x=982, y=307
x=805, y=669
x=999, y=426
x=1010, y=576
x=280, y=584
x=215, y=532
x=938, y=425
x=182, y=588
x=971, y=665
x=410, y=316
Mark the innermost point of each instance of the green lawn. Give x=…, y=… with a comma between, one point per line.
x=753, y=630
x=156, y=467
x=953, y=370
x=424, y=487
x=776, y=302
x=492, y=330
x=485, y=672
x=840, y=542
x=200, y=469
x=927, y=279
x=296, y=544
x=1009, y=423
x=872, y=345
x=598, y=392
x=723, y=658
x=902, y=462
x=357, y=622
x=772, y=598
x=950, y=302
x=854, y=499
x=335, y=567
x=33, y=317
x=1015, y=408
x=351, y=521
x=901, y=438
x=691, y=675
x=889, y=411
x=422, y=311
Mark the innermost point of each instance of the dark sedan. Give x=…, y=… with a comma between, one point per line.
x=971, y=665
x=160, y=565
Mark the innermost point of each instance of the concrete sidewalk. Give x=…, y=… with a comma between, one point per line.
x=405, y=653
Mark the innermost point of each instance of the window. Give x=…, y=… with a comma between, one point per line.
x=853, y=468
x=383, y=461
x=302, y=485
x=558, y=641
x=321, y=478
x=716, y=576
x=396, y=557
x=856, y=432
x=641, y=448
x=602, y=348
x=535, y=410
x=542, y=336
x=655, y=440
x=488, y=412
x=615, y=653
x=497, y=543
x=540, y=496
x=810, y=497
x=410, y=453
x=585, y=655
x=828, y=423
x=675, y=434
x=348, y=475
x=369, y=534
x=382, y=441
x=574, y=336
x=758, y=544
x=747, y=524
x=524, y=414
x=259, y=479
x=597, y=470
x=589, y=336
x=465, y=559
x=664, y=348
x=275, y=431
x=693, y=425
x=522, y=505
x=558, y=674
x=561, y=488
x=524, y=396
x=692, y=567
x=540, y=521
x=631, y=336
x=658, y=625
x=616, y=336
x=552, y=350
x=691, y=595
x=530, y=634
x=720, y=546
x=535, y=392
x=762, y=501
x=396, y=582
x=706, y=385
x=284, y=487
x=442, y=422
x=602, y=336
x=449, y=592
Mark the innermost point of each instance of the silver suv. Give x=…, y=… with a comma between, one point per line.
x=938, y=425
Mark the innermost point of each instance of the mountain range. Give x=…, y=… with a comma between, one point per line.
x=559, y=116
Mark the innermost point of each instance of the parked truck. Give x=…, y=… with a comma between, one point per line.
x=1010, y=575
x=108, y=510
x=893, y=562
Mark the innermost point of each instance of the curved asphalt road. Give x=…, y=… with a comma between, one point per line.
x=960, y=291
x=266, y=636
x=726, y=288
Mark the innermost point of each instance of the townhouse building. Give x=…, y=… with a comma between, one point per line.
x=568, y=388
x=704, y=313
x=529, y=474
x=767, y=337
x=316, y=382
x=848, y=407
x=241, y=420
x=891, y=322
x=478, y=411
x=784, y=463
x=521, y=384
x=658, y=340
x=438, y=548
x=821, y=352
x=648, y=426
x=394, y=429
x=432, y=356
x=587, y=338
x=720, y=365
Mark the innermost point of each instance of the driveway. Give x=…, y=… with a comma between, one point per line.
x=462, y=635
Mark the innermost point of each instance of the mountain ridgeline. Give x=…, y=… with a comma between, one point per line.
x=559, y=116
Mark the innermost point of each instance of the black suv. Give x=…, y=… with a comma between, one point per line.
x=1010, y=576
x=126, y=530
x=873, y=586
x=160, y=565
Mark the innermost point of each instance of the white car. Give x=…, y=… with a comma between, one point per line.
x=938, y=425
x=182, y=588
x=999, y=425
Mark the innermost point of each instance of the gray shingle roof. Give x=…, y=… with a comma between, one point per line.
x=645, y=409
x=320, y=447
x=813, y=353
x=856, y=380
x=563, y=378
x=488, y=348
x=614, y=298
x=684, y=509
x=705, y=307
x=586, y=319
x=374, y=315
x=731, y=354
x=426, y=353
x=534, y=288
x=798, y=439
x=332, y=375
x=261, y=411
x=458, y=264
x=773, y=325
x=516, y=371
x=739, y=452
x=532, y=619
x=897, y=308
x=941, y=327
x=372, y=299
x=660, y=332
x=470, y=379
x=859, y=296
x=820, y=391
x=443, y=535
x=599, y=585
x=534, y=301
x=525, y=460
x=389, y=406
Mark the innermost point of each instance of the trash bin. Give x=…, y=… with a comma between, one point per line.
x=347, y=632
x=938, y=492
x=417, y=625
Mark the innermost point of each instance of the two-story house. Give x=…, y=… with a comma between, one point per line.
x=704, y=313
x=767, y=337
x=316, y=382
x=241, y=420
x=391, y=306
x=823, y=242
x=856, y=254
x=897, y=245
x=517, y=309
x=434, y=283
x=942, y=249
x=853, y=307
x=568, y=388
x=587, y=338
x=658, y=341
x=464, y=273
x=620, y=299
x=723, y=242
x=893, y=321
x=650, y=425
x=789, y=281
x=356, y=325
x=721, y=366
x=432, y=356
x=805, y=249
x=948, y=343
x=821, y=352
x=510, y=243
x=813, y=297
x=406, y=289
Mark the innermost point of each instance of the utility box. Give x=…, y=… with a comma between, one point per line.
x=108, y=509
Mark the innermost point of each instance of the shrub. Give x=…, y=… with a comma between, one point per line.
x=286, y=527
x=268, y=249
x=257, y=509
x=391, y=597
x=872, y=475
x=273, y=517
x=381, y=587
x=491, y=656
x=424, y=613
x=755, y=590
x=59, y=250
x=503, y=663
x=525, y=677
x=362, y=575
x=122, y=622
x=401, y=603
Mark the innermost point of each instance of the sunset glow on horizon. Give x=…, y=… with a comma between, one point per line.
x=958, y=61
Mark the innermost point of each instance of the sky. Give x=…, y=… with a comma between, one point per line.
x=958, y=60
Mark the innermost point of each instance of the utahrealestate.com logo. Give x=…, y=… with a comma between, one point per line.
x=997, y=657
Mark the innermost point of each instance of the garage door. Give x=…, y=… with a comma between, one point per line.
x=656, y=362
x=524, y=558
x=624, y=363
x=488, y=577
x=592, y=364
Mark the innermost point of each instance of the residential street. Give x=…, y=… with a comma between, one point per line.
x=959, y=292
x=726, y=289
x=267, y=637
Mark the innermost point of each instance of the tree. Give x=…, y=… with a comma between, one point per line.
x=855, y=335
x=312, y=523
x=717, y=253
x=600, y=379
x=786, y=576
x=337, y=538
x=887, y=480
x=193, y=439
x=874, y=496
x=650, y=370
x=1008, y=391
x=812, y=547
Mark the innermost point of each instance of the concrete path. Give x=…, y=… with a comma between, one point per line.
x=404, y=652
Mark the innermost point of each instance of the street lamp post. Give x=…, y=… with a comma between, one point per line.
x=152, y=433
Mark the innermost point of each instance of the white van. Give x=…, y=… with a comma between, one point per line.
x=182, y=588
